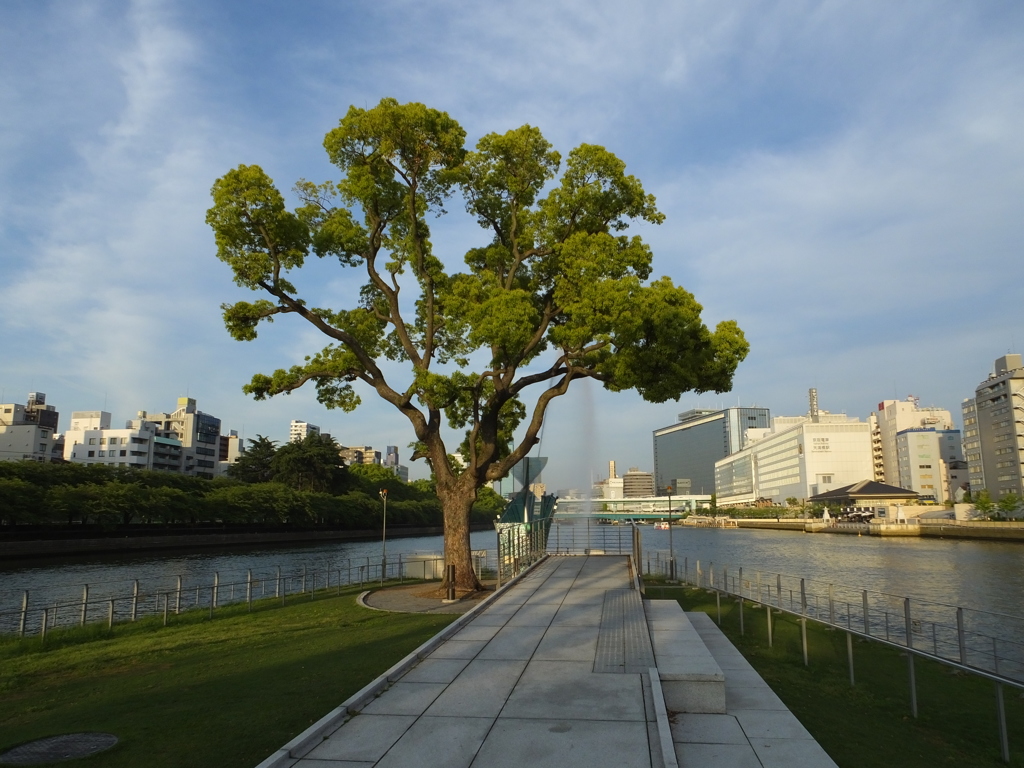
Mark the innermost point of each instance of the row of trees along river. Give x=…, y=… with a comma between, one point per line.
x=297, y=484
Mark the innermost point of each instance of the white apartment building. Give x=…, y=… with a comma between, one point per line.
x=28, y=432
x=364, y=454
x=91, y=441
x=198, y=433
x=893, y=417
x=797, y=457
x=924, y=457
x=300, y=430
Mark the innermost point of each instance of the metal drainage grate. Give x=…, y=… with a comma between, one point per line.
x=53, y=749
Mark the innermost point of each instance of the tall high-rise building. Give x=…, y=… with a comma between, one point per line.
x=637, y=484
x=994, y=430
x=300, y=430
x=893, y=417
x=685, y=453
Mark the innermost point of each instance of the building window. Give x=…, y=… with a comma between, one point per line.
x=92, y=454
x=924, y=466
x=826, y=478
x=92, y=441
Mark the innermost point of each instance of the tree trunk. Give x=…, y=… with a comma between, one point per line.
x=456, y=503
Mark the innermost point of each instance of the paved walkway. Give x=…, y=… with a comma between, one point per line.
x=554, y=673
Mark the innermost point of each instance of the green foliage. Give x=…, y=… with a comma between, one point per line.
x=555, y=275
x=255, y=465
x=983, y=502
x=1009, y=505
x=314, y=464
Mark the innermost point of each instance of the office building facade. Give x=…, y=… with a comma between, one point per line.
x=994, y=430
x=28, y=432
x=685, y=453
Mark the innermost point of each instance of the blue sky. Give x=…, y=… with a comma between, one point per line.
x=845, y=179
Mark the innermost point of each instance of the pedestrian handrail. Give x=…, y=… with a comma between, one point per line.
x=38, y=615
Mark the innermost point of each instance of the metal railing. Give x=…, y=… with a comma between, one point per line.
x=969, y=640
x=522, y=544
x=39, y=614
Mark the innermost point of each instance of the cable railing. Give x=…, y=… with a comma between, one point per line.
x=135, y=599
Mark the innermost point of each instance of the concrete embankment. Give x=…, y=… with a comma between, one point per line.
x=59, y=547
x=947, y=529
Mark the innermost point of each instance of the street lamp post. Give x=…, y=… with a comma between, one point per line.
x=384, y=537
x=671, y=549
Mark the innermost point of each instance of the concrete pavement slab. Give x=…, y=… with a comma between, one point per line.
x=515, y=743
x=568, y=644
x=570, y=690
x=759, y=698
x=761, y=724
x=578, y=615
x=435, y=671
x=474, y=631
x=438, y=742
x=533, y=615
x=480, y=691
x=363, y=738
x=707, y=729
x=717, y=755
x=513, y=643
x=458, y=649
x=405, y=699
x=787, y=753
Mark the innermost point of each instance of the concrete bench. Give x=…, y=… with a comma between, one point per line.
x=690, y=677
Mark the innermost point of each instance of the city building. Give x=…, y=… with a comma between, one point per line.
x=28, y=432
x=197, y=432
x=637, y=484
x=924, y=457
x=231, y=449
x=185, y=440
x=360, y=454
x=797, y=457
x=893, y=417
x=300, y=430
x=90, y=440
x=994, y=430
x=685, y=453
x=391, y=462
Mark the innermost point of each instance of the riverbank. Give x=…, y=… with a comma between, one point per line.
x=23, y=550
x=202, y=693
x=943, y=529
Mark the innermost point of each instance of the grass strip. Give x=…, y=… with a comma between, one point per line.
x=200, y=692
x=868, y=725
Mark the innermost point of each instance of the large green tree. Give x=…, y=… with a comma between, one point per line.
x=556, y=292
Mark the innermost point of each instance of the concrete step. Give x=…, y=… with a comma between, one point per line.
x=691, y=679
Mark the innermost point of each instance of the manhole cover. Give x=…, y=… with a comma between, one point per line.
x=53, y=749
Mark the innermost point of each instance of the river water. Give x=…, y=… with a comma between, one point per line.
x=984, y=578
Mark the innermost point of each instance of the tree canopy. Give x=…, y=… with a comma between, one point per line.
x=556, y=291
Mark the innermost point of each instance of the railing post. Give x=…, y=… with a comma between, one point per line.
x=1004, y=739
x=718, y=602
x=910, y=657
x=24, y=614
x=740, y=590
x=135, y=600
x=177, y=597
x=849, y=654
x=277, y=587
x=867, y=623
x=961, y=639
x=46, y=620
x=215, y=593
x=778, y=588
x=167, y=599
x=803, y=620
x=248, y=588
x=213, y=598
x=768, y=616
x=831, y=606
x=110, y=614
x=312, y=589
x=85, y=604
x=303, y=583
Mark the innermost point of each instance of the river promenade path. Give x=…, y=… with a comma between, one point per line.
x=568, y=667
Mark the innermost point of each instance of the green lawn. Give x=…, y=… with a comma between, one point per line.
x=869, y=724
x=222, y=693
